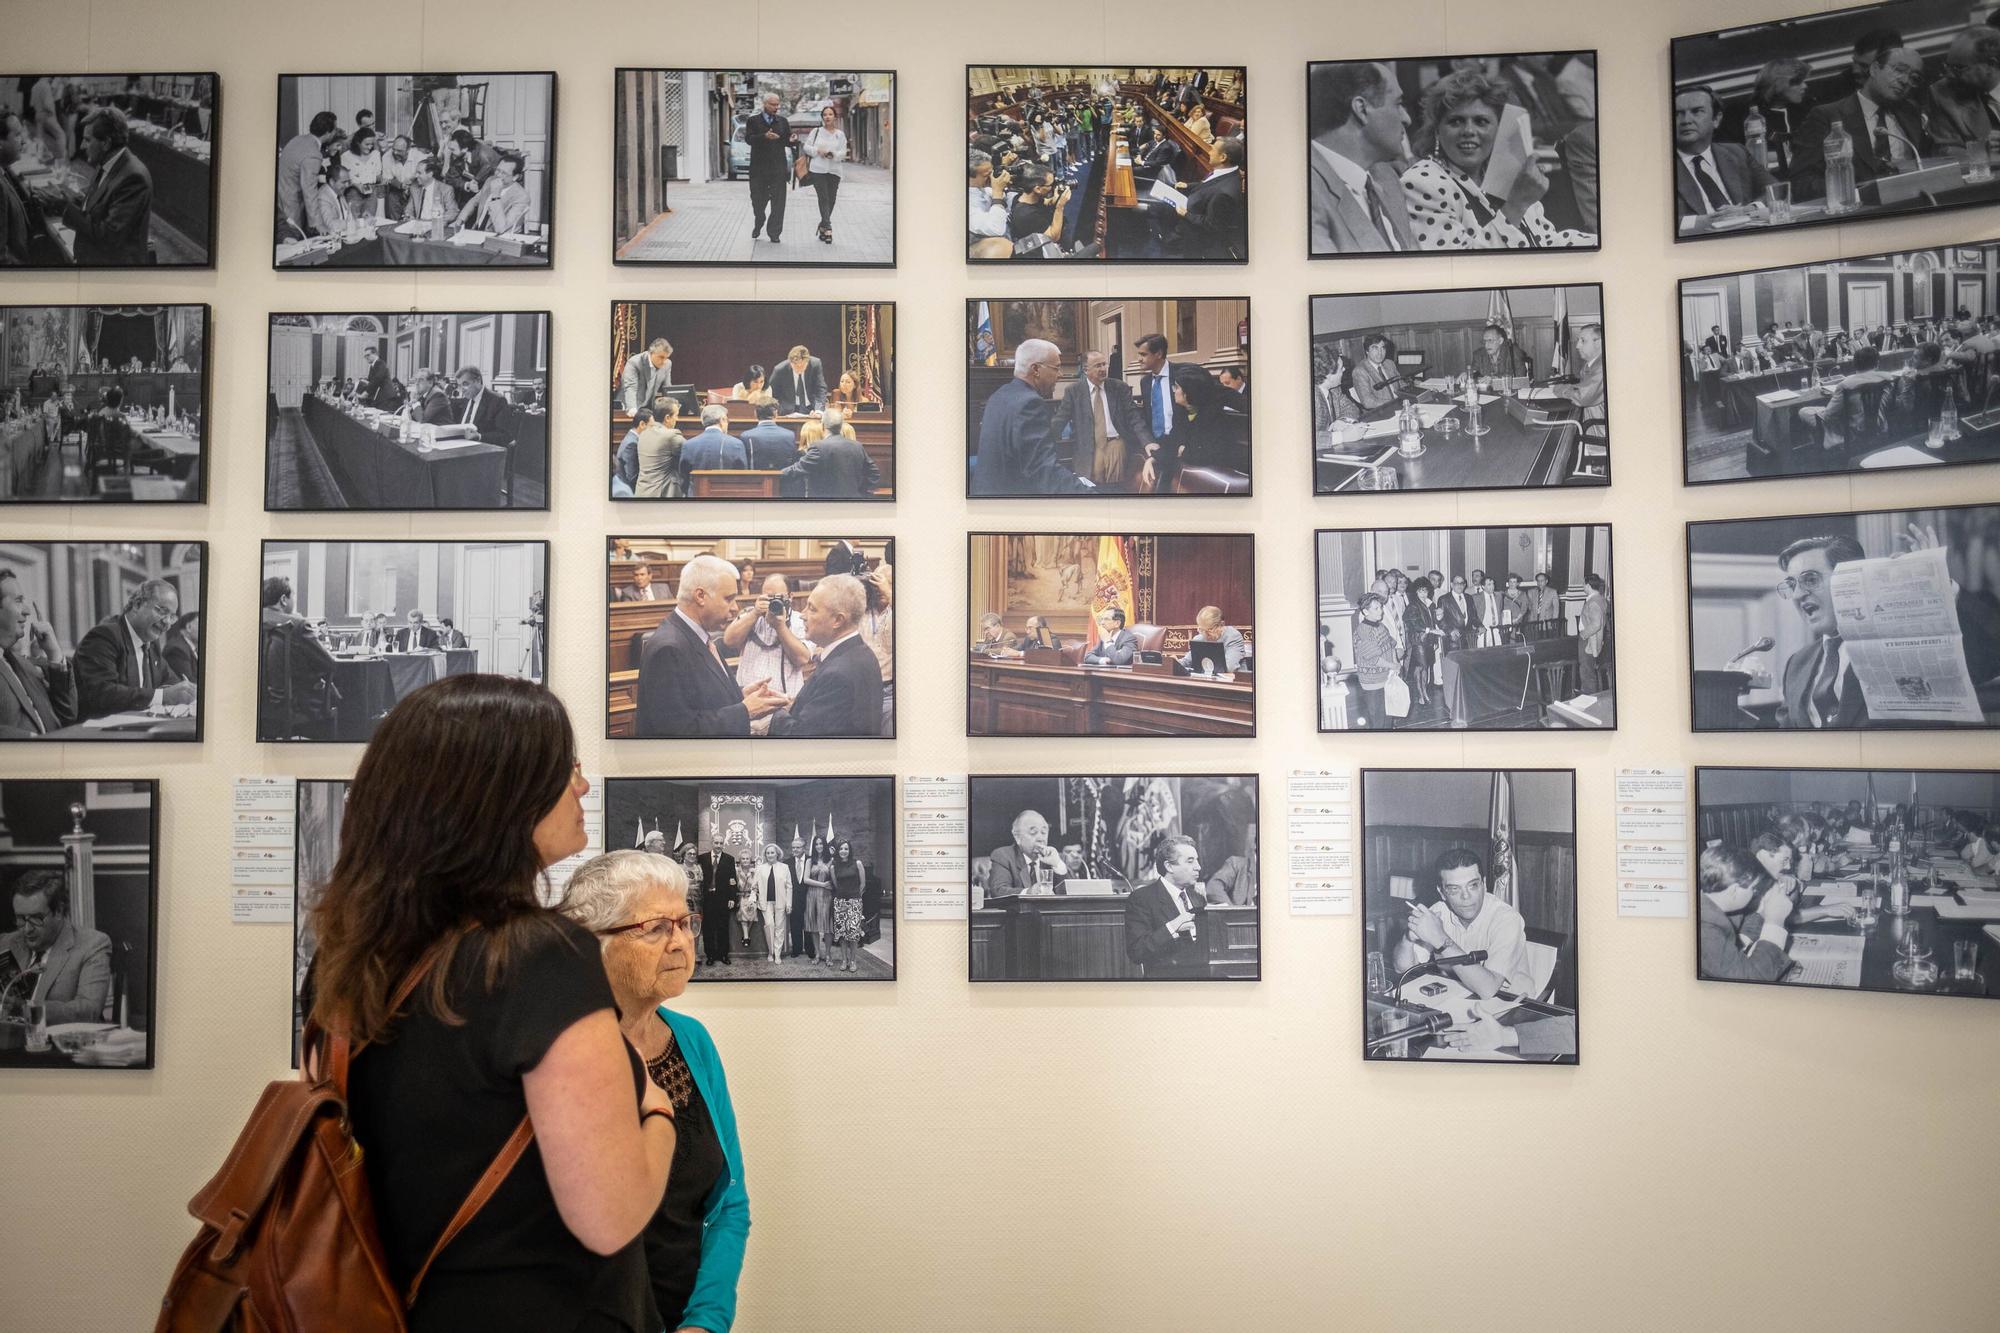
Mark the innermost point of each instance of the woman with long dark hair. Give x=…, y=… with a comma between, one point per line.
x=849, y=879
x=1422, y=637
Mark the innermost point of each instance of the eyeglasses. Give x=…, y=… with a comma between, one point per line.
x=33, y=918
x=1810, y=581
x=659, y=929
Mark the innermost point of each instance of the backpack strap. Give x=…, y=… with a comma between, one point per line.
x=488, y=1184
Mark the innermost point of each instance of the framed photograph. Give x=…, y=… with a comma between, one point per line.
x=771, y=168
x=1883, y=620
x=1849, y=879
x=753, y=400
x=1851, y=365
x=347, y=629
x=1468, y=905
x=1126, y=163
x=1122, y=397
x=111, y=170
x=1466, y=629
x=1114, y=878
x=79, y=922
x=103, y=403
x=396, y=410
x=1111, y=634
x=711, y=637
x=1471, y=389
x=1472, y=152
x=794, y=877
x=1834, y=117
x=320, y=804
x=415, y=171
x=106, y=639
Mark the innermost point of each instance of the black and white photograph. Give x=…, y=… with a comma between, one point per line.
x=1466, y=629
x=103, y=402
x=763, y=168
x=782, y=637
x=1113, y=878
x=1475, y=152
x=108, y=170
x=1834, y=117
x=1468, y=908
x=79, y=916
x=1850, y=365
x=1126, y=164
x=793, y=878
x=1120, y=397
x=415, y=171
x=1111, y=634
x=1849, y=879
x=347, y=630
x=319, y=805
x=408, y=410
x=1471, y=389
x=102, y=641
x=1883, y=620
x=753, y=400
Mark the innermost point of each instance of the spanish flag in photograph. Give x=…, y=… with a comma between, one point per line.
x=1114, y=583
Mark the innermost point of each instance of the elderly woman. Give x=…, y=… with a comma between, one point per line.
x=636, y=904
x=1448, y=204
x=850, y=880
x=1375, y=660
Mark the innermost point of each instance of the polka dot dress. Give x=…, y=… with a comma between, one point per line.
x=1449, y=212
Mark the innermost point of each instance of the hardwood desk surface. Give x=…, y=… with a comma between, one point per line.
x=1013, y=698
x=1119, y=189
x=1056, y=937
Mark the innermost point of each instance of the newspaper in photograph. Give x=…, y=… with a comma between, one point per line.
x=1898, y=622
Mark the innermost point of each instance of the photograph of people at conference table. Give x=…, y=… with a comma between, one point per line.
x=772, y=168
x=1477, y=388
x=1849, y=878
x=1849, y=365
x=753, y=400
x=1477, y=152
x=1824, y=118
x=1468, y=908
x=108, y=170
x=1100, y=634
x=1133, y=164
x=1885, y=620
x=102, y=641
x=79, y=906
x=389, y=410
x=1121, y=397
x=415, y=170
x=791, y=637
x=103, y=403
x=1466, y=629
x=790, y=878
x=347, y=629
x=1113, y=878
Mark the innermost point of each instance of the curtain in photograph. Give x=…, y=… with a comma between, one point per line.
x=93, y=325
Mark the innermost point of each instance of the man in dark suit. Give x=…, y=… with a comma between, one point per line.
x=800, y=384
x=19, y=218
x=768, y=446
x=718, y=903
x=713, y=449
x=769, y=134
x=489, y=416
x=1163, y=917
x=119, y=668
x=37, y=680
x=428, y=401
x=843, y=696
x=1018, y=430
x=417, y=637
x=1212, y=217
x=835, y=466
x=374, y=382
x=642, y=589
x=1710, y=175
x=1102, y=425
x=1882, y=119
x=112, y=217
x=74, y=963
x=684, y=689
x=797, y=940
x=1717, y=341
x=1116, y=645
x=1961, y=107
x=1014, y=867
x=1458, y=616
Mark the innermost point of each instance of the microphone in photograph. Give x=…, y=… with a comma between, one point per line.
x=1763, y=645
x=1459, y=960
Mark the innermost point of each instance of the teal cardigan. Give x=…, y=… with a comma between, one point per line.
x=726, y=1227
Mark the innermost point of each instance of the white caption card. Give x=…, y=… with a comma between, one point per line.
x=935, y=860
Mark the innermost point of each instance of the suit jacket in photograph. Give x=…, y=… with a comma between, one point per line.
x=435, y=408
x=1373, y=385
x=417, y=639
x=1214, y=221
x=1957, y=117
x=107, y=674
x=1017, y=446
x=1979, y=641
x=1126, y=422
x=15, y=234
x=1340, y=226
x=1809, y=145
x=798, y=394
x=1011, y=873
x=1118, y=650
x=639, y=383
x=35, y=700
x=489, y=414
x=843, y=698
x=76, y=975
x=373, y=384
x=1460, y=626
x=111, y=222
x=769, y=447
x=770, y=159
x=709, y=451
x=1147, y=943
x=1742, y=178
x=638, y=594
x=683, y=690
x=720, y=882
x=1720, y=957
x=836, y=468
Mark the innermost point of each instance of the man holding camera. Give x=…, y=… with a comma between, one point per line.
x=769, y=640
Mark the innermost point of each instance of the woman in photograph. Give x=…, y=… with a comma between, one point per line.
x=636, y=905
x=749, y=386
x=850, y=879
x=1375, y=658
x=825, y=148
x=1204, y=439
x=847, y=393
x=1983, y=851
x=746, y=910
x=1802, y=833
x=1731, y=946
x=1449, y=208
x=697, y=886
x=819, y=901
x=1423, y=636
x=1780, y=92
x=363, y=159
x=1593, y=637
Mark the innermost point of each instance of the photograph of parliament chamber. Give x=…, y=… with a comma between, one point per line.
x=1468, y=907
x=79, y=921
x=1472, y=152
x=781, y=637
x=1884, y=620
x=349, y=628
x=1847, y=365
x=794, y=878
x=1873, y=111
x=1470, y=389
x=102, y=641
x=722, y=166
x=103, y=403
x=109, y=170
x=753, y=400
x=1113, y=878
x=1120, y=397
x=1468, y=629
x=1128, y=164
x=389, y=410
x=415, y=170
x=1089, y=634
x=1849, y=879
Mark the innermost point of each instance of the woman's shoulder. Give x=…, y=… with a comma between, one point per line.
x=690, y=1032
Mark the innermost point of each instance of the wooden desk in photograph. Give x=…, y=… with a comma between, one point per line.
x=1012, y=698
x=1034, y=937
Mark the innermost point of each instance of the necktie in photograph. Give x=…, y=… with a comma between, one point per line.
x=1710, y=186
x=1823, y=698
x=1380, y=216
x=1885, y=148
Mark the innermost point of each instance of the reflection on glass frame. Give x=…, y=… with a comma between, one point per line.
x=319, y=804
x=1881, y=620
x=1849, y=879
x=1476, y=865
x=1113, y=878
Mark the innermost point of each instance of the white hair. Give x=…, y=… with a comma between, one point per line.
x=1033, y=352
x=704, y=573
x=600, y=894
x=844, y=596
x=833, y=421
x=1026, y=815
x=713, y=415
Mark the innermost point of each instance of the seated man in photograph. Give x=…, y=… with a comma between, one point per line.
x=450, y=635
x=1467, y=919
x=843, y=696
x=328, y=207
x=1883, y=120
x=119, y=667
x=431, y=200
x=684, y=689
x=1028, y=864
x=1116, y=645
x=501, y=206
x=1163, y=915
x=1710, y=175
x=37, y=678
x=642, y=589
x=1018, y=431
x=836, y=466
x=1376, y=381
x=768, y=446
x=417, y=637
x=995, y=636
x=399, y=176
x=1731, y=946
x=1498, y=356
x=295, y=673
x=1210, y=627
x=1212, y=218
x=74, y=964
x=1588, y=391
x=1036, y=633
x=714, y=449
